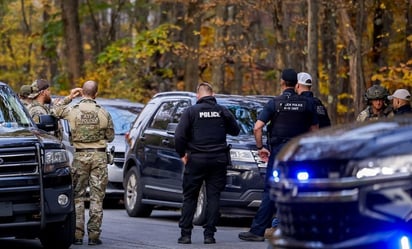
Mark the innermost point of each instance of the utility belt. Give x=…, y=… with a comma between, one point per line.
x=279, y=140
x=91, y=150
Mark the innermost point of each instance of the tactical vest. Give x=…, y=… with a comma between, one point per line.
x=293, y=117
x=86, y=124
x=209, y=129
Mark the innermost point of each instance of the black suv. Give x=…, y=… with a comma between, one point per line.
x=346, y=187
x=153, y=170
x=36, y=198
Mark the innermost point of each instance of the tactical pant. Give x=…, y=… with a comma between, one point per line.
x=263, y=217
x=209, y=168
x=89, y=169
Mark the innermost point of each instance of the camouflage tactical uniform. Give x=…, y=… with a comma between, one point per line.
x=367, y=114
x=36, y=109
x=92, y=129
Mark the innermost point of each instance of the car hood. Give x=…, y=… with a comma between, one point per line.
x=242, y=142
x=10, y=137
x=350, y=141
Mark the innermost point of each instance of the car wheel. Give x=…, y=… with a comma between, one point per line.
x=59, y=235
x=133, y=195
x=200, y=214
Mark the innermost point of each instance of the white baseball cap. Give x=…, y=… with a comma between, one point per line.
x=400, y=94
x=304, y=79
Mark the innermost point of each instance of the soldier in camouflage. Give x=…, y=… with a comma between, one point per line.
x=25, y=91
x=376, y=98
x=91, y=128
x=41, y=99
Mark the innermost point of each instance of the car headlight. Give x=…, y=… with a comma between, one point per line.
x=242, y=155
x=55, y=159
x=371, y=167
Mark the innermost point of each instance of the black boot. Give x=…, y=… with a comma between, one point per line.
x=185, y=237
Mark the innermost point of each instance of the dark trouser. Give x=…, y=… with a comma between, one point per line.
x=211, y=169
x=267, y=209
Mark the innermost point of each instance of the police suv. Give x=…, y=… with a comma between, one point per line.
x=153, y=171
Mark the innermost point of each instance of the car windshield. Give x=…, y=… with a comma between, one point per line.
x=12, y=112
x=245, y=110
x=122, y=116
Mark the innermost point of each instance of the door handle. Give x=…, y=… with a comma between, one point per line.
x=165, y=142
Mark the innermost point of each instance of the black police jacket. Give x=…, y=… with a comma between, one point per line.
x=323, y=116
x=203, y=128
x=289, y=115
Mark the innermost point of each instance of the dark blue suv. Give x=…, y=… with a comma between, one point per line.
x=153, y=170
x=346, y=187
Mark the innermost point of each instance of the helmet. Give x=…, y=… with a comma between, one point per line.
x=376, y=92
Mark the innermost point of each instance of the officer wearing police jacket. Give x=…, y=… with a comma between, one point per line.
x=289, y=115
x=200, y=141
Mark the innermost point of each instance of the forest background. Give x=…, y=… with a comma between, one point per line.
x=135, y=48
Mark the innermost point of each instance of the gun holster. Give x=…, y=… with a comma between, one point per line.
x=110, y=155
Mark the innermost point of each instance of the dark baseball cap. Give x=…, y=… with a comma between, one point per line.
x=290, y=75
x=38, y=86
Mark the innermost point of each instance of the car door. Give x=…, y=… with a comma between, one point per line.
x=162, y=167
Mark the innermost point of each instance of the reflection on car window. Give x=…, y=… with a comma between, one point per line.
x=11, y=110
x=123, y=117
x=163, y=115
x=181, y=106
x=245, y=117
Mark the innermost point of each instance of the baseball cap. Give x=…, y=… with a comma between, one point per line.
x=400, y=94
x=289, y=75
x=25, y=91
x=38, y=86
x=304, y=79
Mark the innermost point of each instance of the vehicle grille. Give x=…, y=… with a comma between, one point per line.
x=325, y=222
x=18, y=161
x=19, y=185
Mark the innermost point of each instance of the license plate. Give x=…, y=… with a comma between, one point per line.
x=6, y=209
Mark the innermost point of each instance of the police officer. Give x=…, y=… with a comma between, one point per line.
x=401, y=102
x=289, y=115
x=376, y=98
x=200, y=141
x=91, y=128
x=303, y=88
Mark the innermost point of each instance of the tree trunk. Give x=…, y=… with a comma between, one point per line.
x=353, y=43
x=73, y=41
x=218, y=61
x=382, y=22
x=408, y=53
x=191, y=39
x=329, y=58
x=313, y=12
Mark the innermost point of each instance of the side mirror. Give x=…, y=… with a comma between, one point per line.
x=47, y=123
x=171, y=128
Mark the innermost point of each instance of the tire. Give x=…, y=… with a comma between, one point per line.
x=199, y=218
x=133, y=195
x=59, y=235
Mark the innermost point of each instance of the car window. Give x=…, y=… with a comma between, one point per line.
x=123, y=117
x=245, y=118
x=11, y=110
x=168, y=112
x=163, y=115
x=181, y=106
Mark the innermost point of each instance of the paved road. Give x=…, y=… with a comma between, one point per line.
x=160, y=231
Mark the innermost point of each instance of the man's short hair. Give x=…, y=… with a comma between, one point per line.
x=204, y=86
